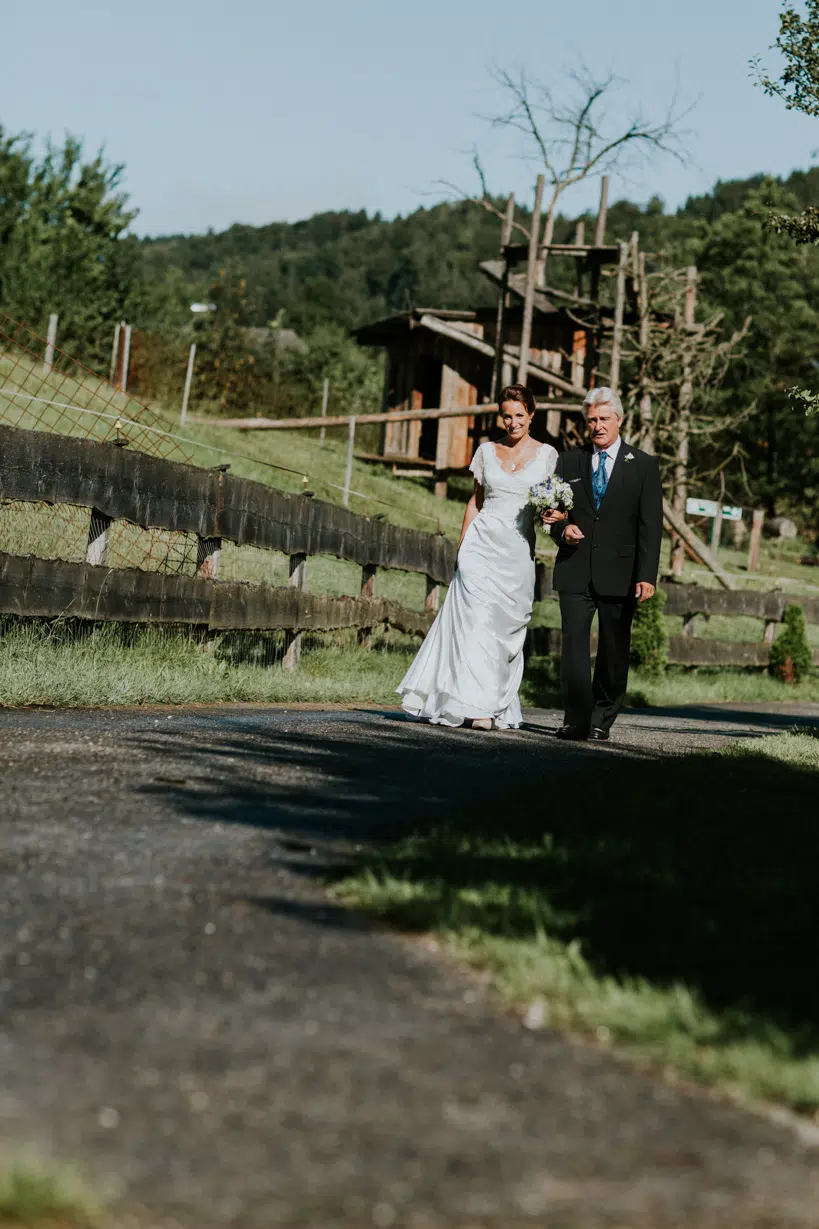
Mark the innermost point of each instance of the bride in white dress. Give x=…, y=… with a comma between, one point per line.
x=470, y=666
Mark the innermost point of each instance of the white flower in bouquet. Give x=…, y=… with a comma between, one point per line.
x=553, y=495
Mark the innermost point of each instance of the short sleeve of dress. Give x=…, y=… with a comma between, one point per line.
x=477, y=465
x=550, y=456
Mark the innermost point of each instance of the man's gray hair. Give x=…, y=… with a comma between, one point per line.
x=604, y=396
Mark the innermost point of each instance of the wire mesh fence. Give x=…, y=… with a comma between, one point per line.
x=42, y=388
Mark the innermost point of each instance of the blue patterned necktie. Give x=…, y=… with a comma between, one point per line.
x=600, y=479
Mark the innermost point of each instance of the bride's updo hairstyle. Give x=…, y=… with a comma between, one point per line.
x=518, y=392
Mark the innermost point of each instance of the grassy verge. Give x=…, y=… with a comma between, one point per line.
x=36, y=1196
x=113, y=664
x=667, y=907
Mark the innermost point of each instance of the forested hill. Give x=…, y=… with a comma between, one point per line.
x=348, y=268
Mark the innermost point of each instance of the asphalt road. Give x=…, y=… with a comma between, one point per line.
x=187, y=1016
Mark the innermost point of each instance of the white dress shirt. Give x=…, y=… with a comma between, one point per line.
x=611, y=456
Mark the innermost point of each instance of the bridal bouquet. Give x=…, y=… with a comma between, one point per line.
x=553, y=495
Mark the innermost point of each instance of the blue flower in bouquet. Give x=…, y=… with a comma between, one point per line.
x=553, y=495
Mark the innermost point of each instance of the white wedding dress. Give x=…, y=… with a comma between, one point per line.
x=471, y=662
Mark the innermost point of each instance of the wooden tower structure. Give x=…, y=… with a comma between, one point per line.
x=560, y=342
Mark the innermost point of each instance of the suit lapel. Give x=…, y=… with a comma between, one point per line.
x=586, y=475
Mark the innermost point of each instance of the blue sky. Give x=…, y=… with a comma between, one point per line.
x=256, y=110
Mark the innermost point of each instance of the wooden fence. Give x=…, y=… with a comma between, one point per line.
x=114, y=483
x=696, y=605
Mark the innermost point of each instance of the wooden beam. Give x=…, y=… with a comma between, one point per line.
x=696, y=545
x=686, y=398
x=606, y=253
x=619, y=309
x=50, y=588
x=531, y=281
x=500, y=318
x=516, y=283
x=682, y=650
x=600, y=228
x=452, y=332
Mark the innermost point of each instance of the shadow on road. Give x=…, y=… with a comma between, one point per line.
x=699, y=870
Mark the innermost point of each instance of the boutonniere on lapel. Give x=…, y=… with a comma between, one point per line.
x=629, y=456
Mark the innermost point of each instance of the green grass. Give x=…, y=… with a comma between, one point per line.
x=666, y=907
x=73, y=664
x=114, y=664
x=39, y=1196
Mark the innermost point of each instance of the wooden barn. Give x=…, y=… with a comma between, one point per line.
x=443, y=359
x=447, y=358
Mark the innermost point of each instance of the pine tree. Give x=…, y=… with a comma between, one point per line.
x=649, y=639
x=791, y=658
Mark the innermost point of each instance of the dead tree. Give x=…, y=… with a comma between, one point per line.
x=676, y=366
x=570, y=139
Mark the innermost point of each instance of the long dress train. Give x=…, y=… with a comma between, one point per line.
x=471, y=662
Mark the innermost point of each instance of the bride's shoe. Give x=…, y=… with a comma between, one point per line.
x=482, y=723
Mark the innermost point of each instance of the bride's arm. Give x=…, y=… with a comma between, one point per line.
x=472, y=509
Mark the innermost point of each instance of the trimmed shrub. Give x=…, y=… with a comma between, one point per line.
x=791, y=658
x=649, y=639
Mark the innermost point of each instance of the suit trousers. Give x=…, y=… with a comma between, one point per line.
x=586, y=701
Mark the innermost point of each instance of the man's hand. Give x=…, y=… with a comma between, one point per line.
x=644, y=591
x=573, y=534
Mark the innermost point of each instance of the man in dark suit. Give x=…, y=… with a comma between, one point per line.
x=607, y=561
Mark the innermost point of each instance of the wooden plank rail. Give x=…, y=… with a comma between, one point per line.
x=116, y=484
x=682, y=650
x=691, y=600
x=51, y=589
x=40, y=467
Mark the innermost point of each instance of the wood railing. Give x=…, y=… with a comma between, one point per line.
x=696, y=604
x=117, y=484
x=114, y=483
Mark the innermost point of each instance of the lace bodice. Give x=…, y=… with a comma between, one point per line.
x=506, y=495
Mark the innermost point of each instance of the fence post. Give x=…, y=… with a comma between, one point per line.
x=756, y=535
x=433, y=595
x=368, y=593
x=325, y=396
x=97, y=550
x=690, y=624
x=716, y=530
x=126, y=358
x=348, y=473
x=292, y=639
x=51, y=342
x=208, y=554
x=188, y=378
x=115, y=352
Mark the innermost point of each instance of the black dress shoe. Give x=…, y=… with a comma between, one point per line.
x=596, y=735
x=572, y=733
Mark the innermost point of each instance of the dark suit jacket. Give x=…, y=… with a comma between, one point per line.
x=622, y=538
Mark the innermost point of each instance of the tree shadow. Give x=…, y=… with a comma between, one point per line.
x=699, y=870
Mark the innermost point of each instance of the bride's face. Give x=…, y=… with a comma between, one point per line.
x=516, y=420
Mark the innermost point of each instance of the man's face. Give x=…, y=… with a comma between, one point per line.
x=603, y=425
